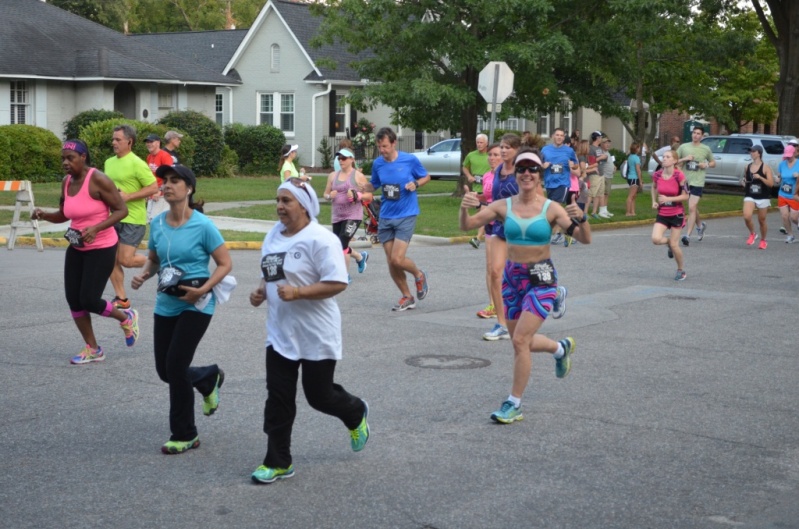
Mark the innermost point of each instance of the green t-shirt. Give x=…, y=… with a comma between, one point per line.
x=477, y=163
x=701, y=153
x=130, y=174
x=288, y=166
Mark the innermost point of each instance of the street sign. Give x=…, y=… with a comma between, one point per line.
x=495, y=83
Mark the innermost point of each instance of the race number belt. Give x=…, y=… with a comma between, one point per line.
x=74, y=237
x=542, y=273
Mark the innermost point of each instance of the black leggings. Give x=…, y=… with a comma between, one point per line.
x=85, y=275
x=344, y=235
x=176, y=339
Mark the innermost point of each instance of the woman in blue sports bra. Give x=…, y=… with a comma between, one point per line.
x=529, y=283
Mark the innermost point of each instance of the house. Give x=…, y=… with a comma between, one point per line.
x=55, y=64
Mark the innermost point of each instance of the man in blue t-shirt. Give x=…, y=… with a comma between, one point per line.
x=399, y=175
x=559, y=159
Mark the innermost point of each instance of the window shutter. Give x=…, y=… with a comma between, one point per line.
x=331, y=118
x=353, y=120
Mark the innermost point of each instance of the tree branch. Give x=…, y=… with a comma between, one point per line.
x=761, y=15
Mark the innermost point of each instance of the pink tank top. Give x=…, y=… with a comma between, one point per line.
x=85, y=211
x=343, y=209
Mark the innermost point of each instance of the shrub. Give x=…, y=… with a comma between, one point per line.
x=5, y=157
x=257, y=146
x=34, y=153
x=621, y=156
x=87, y=117
x=229, y=165
x=366, y=168
x=326, y=152
x=98, y=137
x=207, y=137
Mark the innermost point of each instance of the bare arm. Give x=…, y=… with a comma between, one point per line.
x=318, y=290
x=149, y=269
x=141, y=193
x=494, y=211
x=571, y=219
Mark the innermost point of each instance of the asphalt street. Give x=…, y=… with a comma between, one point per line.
x=680, y=410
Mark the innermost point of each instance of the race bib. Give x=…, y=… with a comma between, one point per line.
x=787, y=188
x=74, y=237
x=556, y=168
x=755, y=189
x=692, y=166
x=541, y=273
x=272, y=266
x=391, y=191
x=168, y=278
x=351, y=227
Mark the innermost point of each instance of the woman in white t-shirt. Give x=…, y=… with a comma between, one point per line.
x=303, y=270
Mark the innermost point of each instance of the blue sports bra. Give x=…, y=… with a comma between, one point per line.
x=535, y=231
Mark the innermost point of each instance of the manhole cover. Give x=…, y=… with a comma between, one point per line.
x=447, y=362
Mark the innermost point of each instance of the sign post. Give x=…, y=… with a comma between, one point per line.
x=495, y=84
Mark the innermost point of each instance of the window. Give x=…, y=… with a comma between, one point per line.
x=716, y=144
x=219, y=109
x=773, y=147
x=341, y=115
x=739, y=145
x=513, y=124
x=275, y=58
x=267, y=111
x=20, y=103
x=165, y=97
x=543, y=124
x=287, y=112
x=566, y=122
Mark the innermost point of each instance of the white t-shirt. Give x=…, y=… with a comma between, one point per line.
x=303, y=329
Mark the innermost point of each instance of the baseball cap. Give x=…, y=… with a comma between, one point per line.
x=794, y=142
x=172, y=134
x=790, y=150
x=183, y=172
x=757, y=148
x=346, y=153
x=152, y=137
x=596, y=134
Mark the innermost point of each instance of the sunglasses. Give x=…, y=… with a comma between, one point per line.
x=297, y=182
x=520, y=169
x=342, y=157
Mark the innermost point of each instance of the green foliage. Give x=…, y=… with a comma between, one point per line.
x=5, y=157
x=257, y=146
x=98, y=138
x=366, y=168
x=327, y=153
x=498, y=133
x=87, y=117
x=229, y=166
x=620, y=156
x=32, y=153
x=207, y=136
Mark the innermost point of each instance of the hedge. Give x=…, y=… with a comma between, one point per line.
x=257, y=146
x=87, y=117
x=207, y=137
x=33, y=153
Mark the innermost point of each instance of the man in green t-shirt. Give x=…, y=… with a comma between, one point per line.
x=695, y=158
x=475, y=165
x=135, y=182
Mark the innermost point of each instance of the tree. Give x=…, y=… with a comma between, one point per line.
x=780, y=30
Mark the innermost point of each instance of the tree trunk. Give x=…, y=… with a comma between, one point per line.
x=468, y=126
x=785, y=38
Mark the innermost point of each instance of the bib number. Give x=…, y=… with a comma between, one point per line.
x=168, y=279
x=692, y=166
x=787, y=189
x=74, y=237
x=556, y=168
x=272, y=266
x=542, y=273
x=391, y=191
x=755, y=189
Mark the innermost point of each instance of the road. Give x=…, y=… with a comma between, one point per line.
x=680, y=410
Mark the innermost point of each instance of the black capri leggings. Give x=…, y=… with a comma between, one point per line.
x=345, y=231
x=85, y=275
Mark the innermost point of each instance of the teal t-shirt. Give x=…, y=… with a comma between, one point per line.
x=188, y=248
x=632, y=161
x=131, y=174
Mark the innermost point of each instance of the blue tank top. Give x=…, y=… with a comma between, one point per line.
x=503, y=188
x=535, y=231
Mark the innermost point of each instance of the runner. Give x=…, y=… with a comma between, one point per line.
x=530, y=282
x=787, y=200
x=668, y=194
x=94, y=205
x=182, y=241
x=696, y=158
x=347, y=210
x=758, y=181
x=303, y=270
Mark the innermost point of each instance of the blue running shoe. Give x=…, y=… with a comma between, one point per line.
x=264, y=474
x=564, y=364
x=499, y=332
x=131, y=326
x=507, y=413
x=559, y=306
x=360, y=435
x=362, y=262
x=87, y=355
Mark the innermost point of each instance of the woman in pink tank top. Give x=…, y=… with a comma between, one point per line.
x=92, y=202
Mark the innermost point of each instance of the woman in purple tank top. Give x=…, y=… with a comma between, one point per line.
x=92, y=202
x=343, y=190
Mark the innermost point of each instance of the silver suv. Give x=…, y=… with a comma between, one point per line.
x=732, y=156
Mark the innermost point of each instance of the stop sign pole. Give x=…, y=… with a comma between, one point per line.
x=492, y=126
x=495, y=84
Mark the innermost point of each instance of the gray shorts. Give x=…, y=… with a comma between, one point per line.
x=130, y=234
x=402, y=229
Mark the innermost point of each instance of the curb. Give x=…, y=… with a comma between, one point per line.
x=427, y=240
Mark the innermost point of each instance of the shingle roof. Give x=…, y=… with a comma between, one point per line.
x=39, y=39
x=211, y=48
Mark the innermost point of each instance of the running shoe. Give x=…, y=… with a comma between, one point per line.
x=488, y=312
x=559, y=305
x=211, y=401
x=507, y=413
x=685, y=240
x=178, y=447
x=120, y=303
x=362, y=262
x=609, y=214
x=264, y=474
x=405, y=303
x=421, y=286
x=594, y=216
x=564, y=364
x=751, y=240
x=568, y=240
x=605, y=214
x=556, y=239
x=131, y=327
x=789, y=239
x=700, y=231
x=783, y=230
x=670, y=253
x=763, y=245
x=87, y=355
x=499, y=332
x=680, y=275
x=360, y=435
x=475, y=242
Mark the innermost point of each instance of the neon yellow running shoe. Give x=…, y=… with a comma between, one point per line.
x=178, y=447
x=265, y=474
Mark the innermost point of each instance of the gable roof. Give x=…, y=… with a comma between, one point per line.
x=211, y=48
x=40, y=40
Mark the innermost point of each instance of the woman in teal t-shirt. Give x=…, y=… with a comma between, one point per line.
x=633, y=177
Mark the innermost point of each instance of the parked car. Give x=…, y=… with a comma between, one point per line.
x=442, y=160
x=732, y=156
